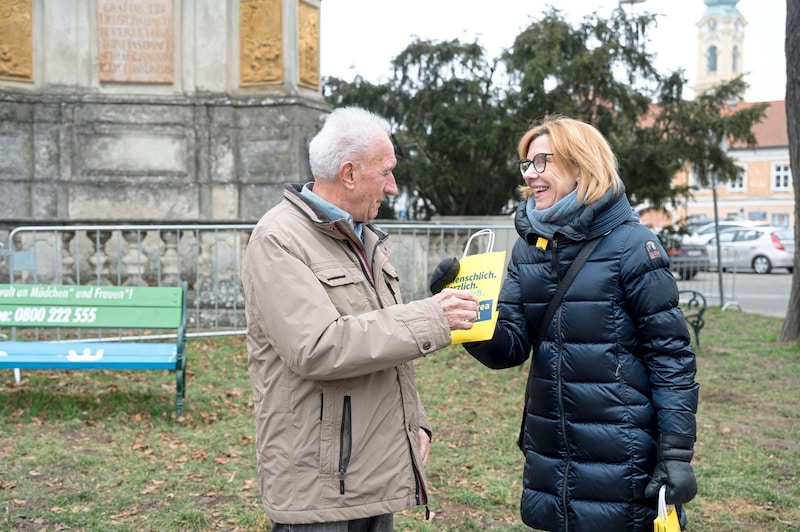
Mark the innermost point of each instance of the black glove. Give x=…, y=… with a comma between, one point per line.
x=674, y=469
x=445, y=273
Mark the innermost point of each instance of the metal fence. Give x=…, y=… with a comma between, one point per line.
x=209, y=259
x=719, y=287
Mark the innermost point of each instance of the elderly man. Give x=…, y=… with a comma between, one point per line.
x=341, y=434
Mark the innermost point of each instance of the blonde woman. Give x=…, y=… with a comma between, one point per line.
x=612, y=396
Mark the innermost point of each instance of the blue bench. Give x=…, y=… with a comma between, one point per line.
x=73, y=309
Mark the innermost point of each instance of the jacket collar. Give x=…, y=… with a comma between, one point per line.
x=339, y=228
x=596, y=219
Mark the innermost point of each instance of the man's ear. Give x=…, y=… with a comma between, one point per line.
x=347, y=173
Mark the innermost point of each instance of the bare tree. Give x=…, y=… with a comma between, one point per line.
x=790, y=331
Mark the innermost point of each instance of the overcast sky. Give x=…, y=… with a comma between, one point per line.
x=363, y=36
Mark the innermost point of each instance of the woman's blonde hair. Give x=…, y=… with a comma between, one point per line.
x=578, y=145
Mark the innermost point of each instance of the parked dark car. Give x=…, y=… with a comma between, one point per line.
x=685, y=259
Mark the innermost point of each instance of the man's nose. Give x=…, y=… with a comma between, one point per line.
x=391, y=186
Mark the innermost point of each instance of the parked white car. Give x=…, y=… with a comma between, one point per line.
x=702, y=234
x=758, y=249
x=786, y=237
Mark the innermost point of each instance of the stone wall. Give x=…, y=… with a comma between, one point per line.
x=100, y=158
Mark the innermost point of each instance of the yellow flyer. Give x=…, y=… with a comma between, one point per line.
x=482, y=274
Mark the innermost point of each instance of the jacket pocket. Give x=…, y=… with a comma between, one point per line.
x=346, y=286
x=336, y=274
x=346, y=442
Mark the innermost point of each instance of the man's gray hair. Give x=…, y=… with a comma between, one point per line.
x=348, y=134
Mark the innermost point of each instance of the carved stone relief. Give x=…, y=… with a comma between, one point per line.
x=260, y=42
x=16, y=40
x=308, y=47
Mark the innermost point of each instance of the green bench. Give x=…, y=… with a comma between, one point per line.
x=74, y=309
x=693, y=305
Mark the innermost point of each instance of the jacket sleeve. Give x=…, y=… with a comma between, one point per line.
x=662, y=334
x=298, y=319
x=510, y=344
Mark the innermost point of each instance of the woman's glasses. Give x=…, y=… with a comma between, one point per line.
x=539, y=163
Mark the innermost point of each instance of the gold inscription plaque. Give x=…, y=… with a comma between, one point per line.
x=309, y=44
x=134, y=41
x=260, y=42
x=16, y=40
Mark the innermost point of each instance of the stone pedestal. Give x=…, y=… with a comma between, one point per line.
x=155, y=110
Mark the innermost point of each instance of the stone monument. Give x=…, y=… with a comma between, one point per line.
x=154, y=111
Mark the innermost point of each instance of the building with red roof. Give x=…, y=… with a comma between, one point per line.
x=764, y=192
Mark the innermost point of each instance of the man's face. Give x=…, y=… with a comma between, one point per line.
x=374, y=180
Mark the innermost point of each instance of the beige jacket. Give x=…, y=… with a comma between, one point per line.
x=330, y=346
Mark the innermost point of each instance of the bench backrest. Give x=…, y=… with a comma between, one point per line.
x=71, y=306
x=692, y=300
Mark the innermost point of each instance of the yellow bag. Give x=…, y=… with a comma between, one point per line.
x=667, y=520
x=482, y=274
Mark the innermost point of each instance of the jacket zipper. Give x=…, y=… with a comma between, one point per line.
x=346, y=439
x=362, y=259
x=420, y=495
x=356, y=249
x=563, y=427
x=391, y=290
x=560, y=392
x=554, y=261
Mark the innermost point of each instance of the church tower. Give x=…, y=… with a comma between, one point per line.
x=720, y=44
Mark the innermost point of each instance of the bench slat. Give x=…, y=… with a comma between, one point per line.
x=96, y=296
x=88, y=355
x=47, y=315
x=145, y=307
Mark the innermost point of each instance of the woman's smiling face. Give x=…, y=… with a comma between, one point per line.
x=555, y=182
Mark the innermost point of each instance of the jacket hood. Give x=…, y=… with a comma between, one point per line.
x=594, y=220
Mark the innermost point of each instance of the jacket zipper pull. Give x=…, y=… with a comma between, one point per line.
x=554, y=260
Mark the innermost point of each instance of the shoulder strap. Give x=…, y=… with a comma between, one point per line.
x=572, y=272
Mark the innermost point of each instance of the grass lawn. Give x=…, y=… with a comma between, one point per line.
x=100, y=450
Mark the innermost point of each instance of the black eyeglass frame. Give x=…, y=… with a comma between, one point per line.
x=524, y=164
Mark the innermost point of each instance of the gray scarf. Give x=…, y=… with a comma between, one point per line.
x=547, y=221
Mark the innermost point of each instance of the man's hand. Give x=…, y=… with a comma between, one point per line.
x=459, y=306
x=444, y=274
x=424, y=446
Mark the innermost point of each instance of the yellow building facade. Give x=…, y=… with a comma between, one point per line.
x=764, y=192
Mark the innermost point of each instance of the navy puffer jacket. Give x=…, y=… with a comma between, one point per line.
x=615, y=368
